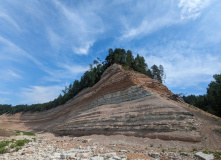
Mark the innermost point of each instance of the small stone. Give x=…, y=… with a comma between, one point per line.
x=154, y=154
x=97, y=158
x=85, y=141
x=183, y=154
x=123, y=151
x=116, y=157
x=108, y=155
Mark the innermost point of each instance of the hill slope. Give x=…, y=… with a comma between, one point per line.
x=123, y=103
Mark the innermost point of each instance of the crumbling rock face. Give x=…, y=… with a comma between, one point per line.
x=122, y=102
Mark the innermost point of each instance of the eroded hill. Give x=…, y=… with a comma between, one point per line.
x=124, y=103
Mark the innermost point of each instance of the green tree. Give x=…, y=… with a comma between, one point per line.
x=210, y=102
x=156, y=72
x=214, y=94
x=129, y=58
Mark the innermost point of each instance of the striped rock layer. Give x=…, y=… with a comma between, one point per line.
x=122, y=102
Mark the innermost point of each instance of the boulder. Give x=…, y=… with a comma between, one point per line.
x=203, y=156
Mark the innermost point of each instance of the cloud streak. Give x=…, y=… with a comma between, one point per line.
x=47, y=44
x=39, y=94
x=13, y=74
x=10, y=21
x=191, y=9
x=81, y=27
x=185, y=66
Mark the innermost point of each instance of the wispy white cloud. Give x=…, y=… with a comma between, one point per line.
x=171, y=14
x=84, y=49
x=13, y=74
x=191, y=9
x=14, y=50
x=209, y=27
x=81, y=25
x=74, y=69
x=11, y=21
x=184, y=65
x=50, y=37
x=148, y=26
x=54, y=39
x=143, y=23
x=183, y=71
x=65, y=71
x=15, y=53
x=39, y=94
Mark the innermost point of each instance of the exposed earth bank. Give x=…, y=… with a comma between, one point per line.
x=127, y=109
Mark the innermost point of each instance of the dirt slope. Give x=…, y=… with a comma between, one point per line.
x=124, y=103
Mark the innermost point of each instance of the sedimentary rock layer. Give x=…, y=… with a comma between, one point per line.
x=122, y=102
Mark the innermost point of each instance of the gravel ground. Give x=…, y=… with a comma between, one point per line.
x=95, y=147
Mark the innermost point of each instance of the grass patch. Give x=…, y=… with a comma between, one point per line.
x=17, y=144
x=12, y=146
x=4, y=150
x=21, y=142
x=151, y=145
x=3, y=145
x=216, y=154
x=194, y=150
x=24, y=133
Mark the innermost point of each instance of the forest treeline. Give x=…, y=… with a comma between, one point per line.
x=210, y=102
x=91, y=77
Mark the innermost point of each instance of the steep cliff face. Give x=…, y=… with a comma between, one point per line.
x=122, y=102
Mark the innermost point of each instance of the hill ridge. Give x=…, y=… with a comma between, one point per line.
x=121, y=103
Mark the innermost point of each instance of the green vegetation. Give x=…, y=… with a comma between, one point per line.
x=24, y=133
x=6, y=146
x=4, y=150
x=210, y=102
x=194, y=150
x=91, y=77
x=21, y=142
x=216, y=154
x=3, y=147
x=4, y=143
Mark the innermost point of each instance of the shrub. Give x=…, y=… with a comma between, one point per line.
x=4, y=150
x=21, y=142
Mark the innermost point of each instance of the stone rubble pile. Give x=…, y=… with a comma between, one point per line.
x=43, y=149
x=170, y=155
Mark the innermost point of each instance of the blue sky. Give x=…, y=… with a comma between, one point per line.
x=45, y=45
